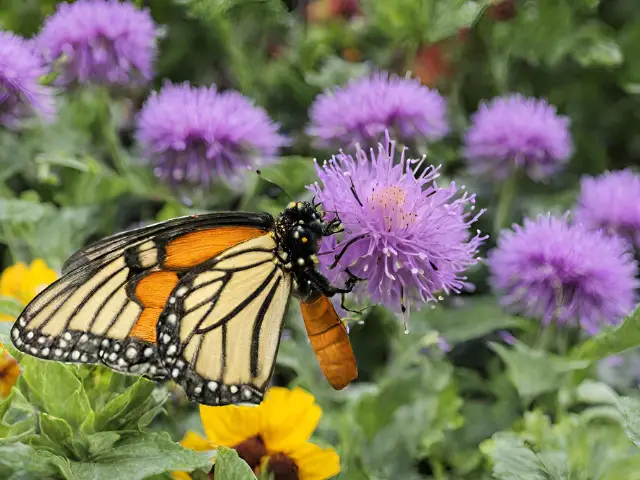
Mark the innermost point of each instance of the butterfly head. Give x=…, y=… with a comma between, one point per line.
x=300, y=229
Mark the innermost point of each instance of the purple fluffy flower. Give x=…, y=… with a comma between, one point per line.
x=196, y=134
x=104, y=42
x=517, y=133
x=365, y=108
x=403, y=233
x=21, y=94
x=610, y=202
x=551, y=270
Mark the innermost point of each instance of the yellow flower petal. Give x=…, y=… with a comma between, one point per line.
x=38, y=278
x=289, y=417
x=9, y=373
x=230, y=425
x=314, y=462
x=181, y=475
x=11, y=280
x=195, y=442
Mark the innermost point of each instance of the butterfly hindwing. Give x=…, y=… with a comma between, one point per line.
x=220, y=330
x=106, y=305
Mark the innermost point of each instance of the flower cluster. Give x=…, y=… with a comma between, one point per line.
x=21, y=94
x=364, y=109
x=407, y=236
x=515, y=133
x=610, y=202
x=274, y=434
x=195, y=134
x=102, y=41
x=554, y=271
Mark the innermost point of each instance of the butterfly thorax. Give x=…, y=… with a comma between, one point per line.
x=299, y=230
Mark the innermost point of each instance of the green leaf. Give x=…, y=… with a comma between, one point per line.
x=21, y=462
x=136, y=457
x=630, y=410
x=10, y=306
x=230, y=466
x=17, y=418
x=133, y=408
x=512, y=460
x=534, y=372
x=54, y=388
x=478, y=317
x=20, y=211
x=56, y=431
x=611, y=341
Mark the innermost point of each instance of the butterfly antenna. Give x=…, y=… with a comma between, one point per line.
x=274, y=184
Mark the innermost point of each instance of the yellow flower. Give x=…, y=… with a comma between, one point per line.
x=9, y=372
x=24, y=282
x=274, y=434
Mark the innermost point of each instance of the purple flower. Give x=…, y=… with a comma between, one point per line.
x=610, y=202
x=403, y=233
x=364, y=109
x=196, y=134
x=551, y=270
x=104, y=42
x=517, y=133
x=21, y=94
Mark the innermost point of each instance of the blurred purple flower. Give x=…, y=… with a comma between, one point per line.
x=196, y=134
x=610, y=202
x=517, y=133
x=403, y=233
x=549, y=269
x=365, y=108
x=21, y=94
x=104, y=41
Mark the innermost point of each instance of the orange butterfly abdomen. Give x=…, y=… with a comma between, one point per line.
x=330, y=341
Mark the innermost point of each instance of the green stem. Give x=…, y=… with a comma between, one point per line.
x=505, y=202
x=108, y=132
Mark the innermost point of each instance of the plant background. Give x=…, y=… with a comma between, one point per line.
x=484, y=409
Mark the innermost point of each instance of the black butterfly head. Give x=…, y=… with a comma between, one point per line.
x=300, y=229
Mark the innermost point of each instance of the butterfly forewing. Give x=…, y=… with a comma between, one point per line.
x=220, y=330
x=106, y=306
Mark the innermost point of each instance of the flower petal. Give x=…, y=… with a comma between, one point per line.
x=195, y=442
x=230, y=425
x=11, y=280
x=289, y=418
x=314, y=462
x=181, y=476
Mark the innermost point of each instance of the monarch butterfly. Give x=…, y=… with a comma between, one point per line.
x=198, y=299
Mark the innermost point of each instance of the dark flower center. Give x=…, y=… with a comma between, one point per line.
x=283, y=467
x=251, y=451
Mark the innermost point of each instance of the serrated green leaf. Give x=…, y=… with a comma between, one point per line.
x=229, y=465
x=512, y=460
x=594, y=392
x=534, y=372
x=54, y=388
x=611, y=341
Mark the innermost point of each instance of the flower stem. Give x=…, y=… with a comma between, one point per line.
x=505, y=202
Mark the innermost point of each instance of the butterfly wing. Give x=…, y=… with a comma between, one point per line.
x=220, y=331
x=105, y=306
x=329, y=340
